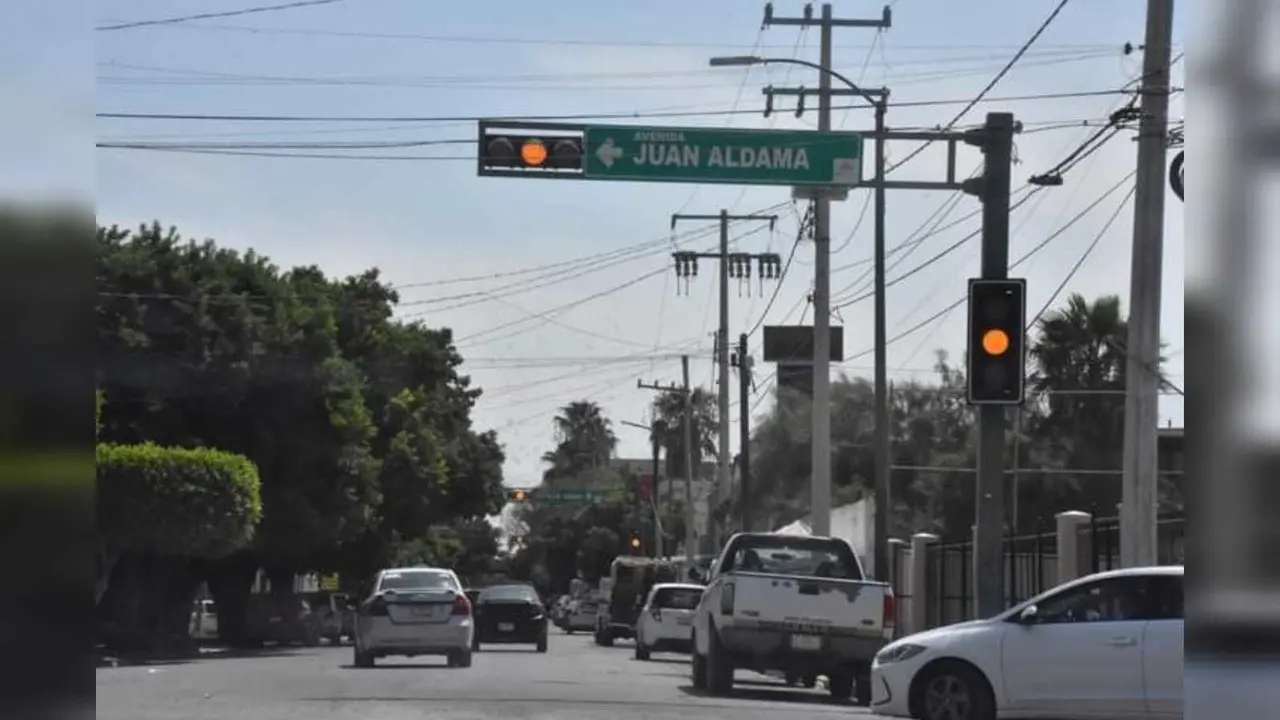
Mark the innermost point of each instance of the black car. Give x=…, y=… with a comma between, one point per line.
x=509, y=614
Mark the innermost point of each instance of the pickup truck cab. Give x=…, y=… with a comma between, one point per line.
x=790, y=604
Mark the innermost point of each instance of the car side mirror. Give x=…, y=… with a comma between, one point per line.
x=1030, y=615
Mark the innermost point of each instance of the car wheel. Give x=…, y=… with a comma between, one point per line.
x=460, y=659
x=606, y=637
x=362, y=659
x=719, y=667
x=698, y=666
x=862, y=689
x=840, y=685
x=642, y=652
x=952, y=691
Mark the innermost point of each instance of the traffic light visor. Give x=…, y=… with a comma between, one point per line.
x=533, y=152
x=995, y=342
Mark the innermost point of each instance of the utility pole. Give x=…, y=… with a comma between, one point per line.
x=820, y=503
x=742, y=361
x=1138, y=510
x=690, y=537
x=685, y=393
x=741, y=263
x=993, y=186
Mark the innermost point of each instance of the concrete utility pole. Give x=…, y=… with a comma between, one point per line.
x=820, y=482
x=741, y=263
x=993, y=186
x=685, y=393
x=1138, y=511
x=742, y=361
x=690, y=536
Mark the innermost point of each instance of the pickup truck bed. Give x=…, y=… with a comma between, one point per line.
x=798, y=624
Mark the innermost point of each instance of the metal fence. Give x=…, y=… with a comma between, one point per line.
x=1103, y=542
x=1031, y=565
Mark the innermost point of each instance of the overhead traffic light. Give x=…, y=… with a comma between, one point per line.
x=530, y=153
x=518, y=495
x=635, y=543
x=997, y=347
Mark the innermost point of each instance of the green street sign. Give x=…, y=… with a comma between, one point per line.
x=708, y=155
x=574, y=496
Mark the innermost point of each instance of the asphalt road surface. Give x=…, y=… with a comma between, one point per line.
x=574, y=680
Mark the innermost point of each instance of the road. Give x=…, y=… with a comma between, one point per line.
x=574, y=680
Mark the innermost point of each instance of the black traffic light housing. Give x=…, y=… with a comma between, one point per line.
x=635, y=543
x=997, y=341
x=530, y=149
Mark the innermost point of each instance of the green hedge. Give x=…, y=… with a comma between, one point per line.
x=176, y=501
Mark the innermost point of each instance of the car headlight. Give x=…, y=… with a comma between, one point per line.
x=898, y=653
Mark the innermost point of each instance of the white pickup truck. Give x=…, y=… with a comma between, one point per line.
x=794, y=604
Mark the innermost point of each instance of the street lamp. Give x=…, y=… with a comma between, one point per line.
x=821, y=506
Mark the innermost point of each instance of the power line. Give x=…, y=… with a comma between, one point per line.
x=222, y=14
x=991, y=85
x=604, y=43
x=634, y=114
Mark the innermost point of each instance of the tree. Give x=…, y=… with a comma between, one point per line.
x=360, y=425
x=169, y=503
x=584, y=440
x=669, y=430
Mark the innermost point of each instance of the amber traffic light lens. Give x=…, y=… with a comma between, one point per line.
x=533, y=152
x=635, y=542
x=995, y=342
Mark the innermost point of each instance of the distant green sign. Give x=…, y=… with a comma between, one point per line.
x=737, y=157
x=573, y=496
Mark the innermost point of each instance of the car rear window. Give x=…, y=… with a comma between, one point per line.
x=794, y=555
x=677, y=598
x=508, y=592
x=415, y=580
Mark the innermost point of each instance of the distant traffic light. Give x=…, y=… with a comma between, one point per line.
x=518, y=495
x=997, y=347
x=532, y=153
x=636, y=542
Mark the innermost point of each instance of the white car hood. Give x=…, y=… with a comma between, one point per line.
x=944, y=635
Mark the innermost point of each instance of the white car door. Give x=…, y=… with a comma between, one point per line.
x=1162, y=648
x=1082, y=657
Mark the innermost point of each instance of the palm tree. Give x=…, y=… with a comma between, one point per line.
x=668, y=426
x=1078, y=361
x=584, y=440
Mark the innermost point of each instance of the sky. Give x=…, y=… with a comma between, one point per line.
x=465, y=250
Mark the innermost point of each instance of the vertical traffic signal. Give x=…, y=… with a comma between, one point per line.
x=997, y=347
x=635, y=543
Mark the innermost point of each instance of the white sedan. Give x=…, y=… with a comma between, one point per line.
x=1108, y=645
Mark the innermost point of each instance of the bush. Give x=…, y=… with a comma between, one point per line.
x=196, y=502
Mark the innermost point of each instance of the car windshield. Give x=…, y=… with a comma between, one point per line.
x=677, y=598
x=785, y=555
x=508, y=592
x=415, y=580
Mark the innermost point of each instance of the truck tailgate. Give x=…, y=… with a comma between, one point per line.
x=808, y=604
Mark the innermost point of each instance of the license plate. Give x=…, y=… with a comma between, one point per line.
x=806, y=642
x=421, y=611
x=684, y=621
x=506, y=627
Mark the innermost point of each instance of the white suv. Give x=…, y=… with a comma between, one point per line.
x=415, y=611
x=666, y=622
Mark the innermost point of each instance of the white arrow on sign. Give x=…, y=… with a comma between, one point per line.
x=608, y=152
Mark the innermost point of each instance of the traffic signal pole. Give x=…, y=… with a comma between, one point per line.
x=743, y=362
x=724, y=481
x=994, y=187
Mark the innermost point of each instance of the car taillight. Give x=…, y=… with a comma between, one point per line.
x=657, y=614
x=890, y=620
x=726, y=599
x=376, y=606
x=461, y=605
